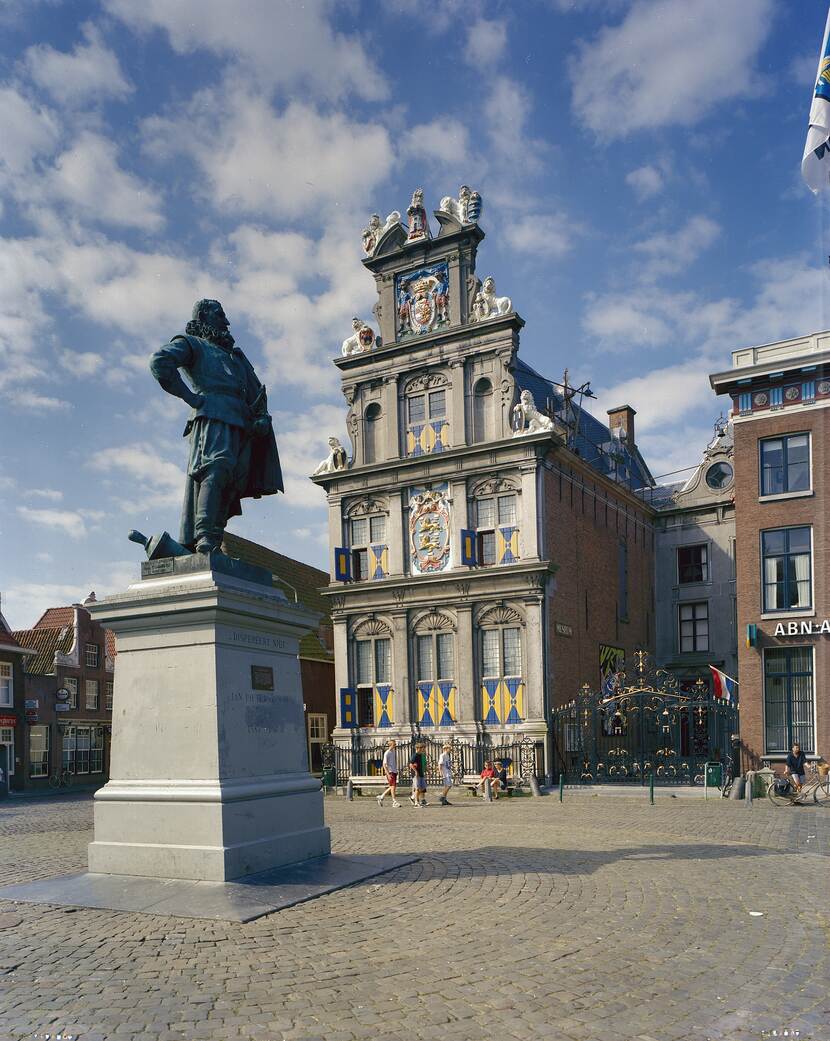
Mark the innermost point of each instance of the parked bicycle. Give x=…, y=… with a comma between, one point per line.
x=60, y=779
x=728, y=777
x=816, y=789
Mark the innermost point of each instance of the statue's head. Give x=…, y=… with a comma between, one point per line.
x=374, y=221
x=489, y=285
x=527, y=398
x=210, y=322
x=418, y=197
x=357, y=324
x=334, y=442
x=464, y=192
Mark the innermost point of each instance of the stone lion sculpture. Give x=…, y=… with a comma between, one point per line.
x=335, y=460
x=466, y=209
x=527, y=419
x=362, y=339
x=374, y=230
x=495, y=304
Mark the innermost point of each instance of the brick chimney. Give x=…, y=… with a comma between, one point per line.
x=621, y=422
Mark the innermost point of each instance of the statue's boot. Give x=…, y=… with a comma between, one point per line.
x=210, y=513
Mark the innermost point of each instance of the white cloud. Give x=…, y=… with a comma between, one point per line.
x=69, y=522
x=27, y=131
x=445, y=140
x=803, y=69
x=668, y=63
x=52, y=494
x=646, y=181
x=153, y=481
x=281, y=164
x=80, y=363
x=91, y=72
x=508, y=109
x=670, y=252
x=302, y=439
x=292, y=46
x=88, y=177
x=25, y=601
x=540, y=235
x=29, y=400
x=486, y=41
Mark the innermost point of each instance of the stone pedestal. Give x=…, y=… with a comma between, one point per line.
x=209, y=766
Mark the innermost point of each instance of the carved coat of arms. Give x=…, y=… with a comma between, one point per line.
x=429, y=532
x=423, y=300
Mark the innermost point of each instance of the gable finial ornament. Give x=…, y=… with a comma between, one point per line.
x=364, y=338
x=527, y=419
x=334, y=461
x=416, y=214
x=375, y=230
x=466, y=209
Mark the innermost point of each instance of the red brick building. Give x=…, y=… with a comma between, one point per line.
x=12, y=658
x=64, y=702
x=781, y=410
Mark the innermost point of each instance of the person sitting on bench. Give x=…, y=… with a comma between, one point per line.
x=489, y=773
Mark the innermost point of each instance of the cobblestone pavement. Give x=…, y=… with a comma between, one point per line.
x=602, y=919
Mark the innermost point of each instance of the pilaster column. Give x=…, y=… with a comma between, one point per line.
x=400, y=669
x=392, y=427
x=398, y=532
x=335, y=526
x=466, y=682
x=529, y=520
x=533, y=670
x=341, y=659
x=458, y=412
x=385, y=310
x=456, y=289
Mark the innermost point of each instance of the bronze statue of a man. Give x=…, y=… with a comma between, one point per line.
x=233, y=453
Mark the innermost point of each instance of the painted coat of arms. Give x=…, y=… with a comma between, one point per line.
x=423, y=300
x=429, y=531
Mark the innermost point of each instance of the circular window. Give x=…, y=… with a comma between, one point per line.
x=719, y=475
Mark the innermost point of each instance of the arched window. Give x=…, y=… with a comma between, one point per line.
x=367, y=539
x=371, y=660
x=501, y=664
x=483, y=411
x=434, y=653
x=495, y=517
x=371, y=433
x=427, y=420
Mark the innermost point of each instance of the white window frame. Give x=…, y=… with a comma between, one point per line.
x=72, y=684
x=680, y=620
x=785, y=612
x=360, y=550
x=109, y=688
x=48, y=730
x=6, y=684
x=87, y=705
x=486, y=529
x=7, y=738
x=92, y=655
x=775, y=496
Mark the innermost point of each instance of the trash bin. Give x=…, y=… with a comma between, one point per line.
x=329, y=778
x=714, y=775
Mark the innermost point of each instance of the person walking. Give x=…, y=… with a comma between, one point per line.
x=445, y=766
x=418, y=769
x=390, y=769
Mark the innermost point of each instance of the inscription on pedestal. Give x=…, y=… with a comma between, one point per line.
x=267, y=643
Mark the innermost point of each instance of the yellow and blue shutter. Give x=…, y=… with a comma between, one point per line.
x=507, y=545
x=378, y=561
x=502, y=701
x=437, y=704
x=426, y=438
x=383, y=705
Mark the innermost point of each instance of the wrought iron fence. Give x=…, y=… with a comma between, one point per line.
x=644, y=722
x=364, y=757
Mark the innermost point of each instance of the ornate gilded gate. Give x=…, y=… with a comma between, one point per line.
x=642, y=722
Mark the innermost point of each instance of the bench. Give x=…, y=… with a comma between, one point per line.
x=359, y=781
x=472, y=781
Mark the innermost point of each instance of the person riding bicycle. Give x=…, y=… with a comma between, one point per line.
x=797, y=766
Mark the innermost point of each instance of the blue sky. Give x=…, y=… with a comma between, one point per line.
x=639, y=163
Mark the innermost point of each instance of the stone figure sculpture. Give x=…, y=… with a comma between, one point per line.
x=233, y=453
x=362, y=339
x=496, y=304
x=335, y=460
x=374, y=230
x=418, y=226
x=527, y=419
x=466, y=209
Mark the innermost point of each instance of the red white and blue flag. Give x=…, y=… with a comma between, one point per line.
x=725, y=686
x=815, y=165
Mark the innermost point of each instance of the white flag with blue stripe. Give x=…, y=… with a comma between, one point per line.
x=815, y=166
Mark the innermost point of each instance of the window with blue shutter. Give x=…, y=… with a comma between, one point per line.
x=348, y=707
x=342, y=564
x=468, y=547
